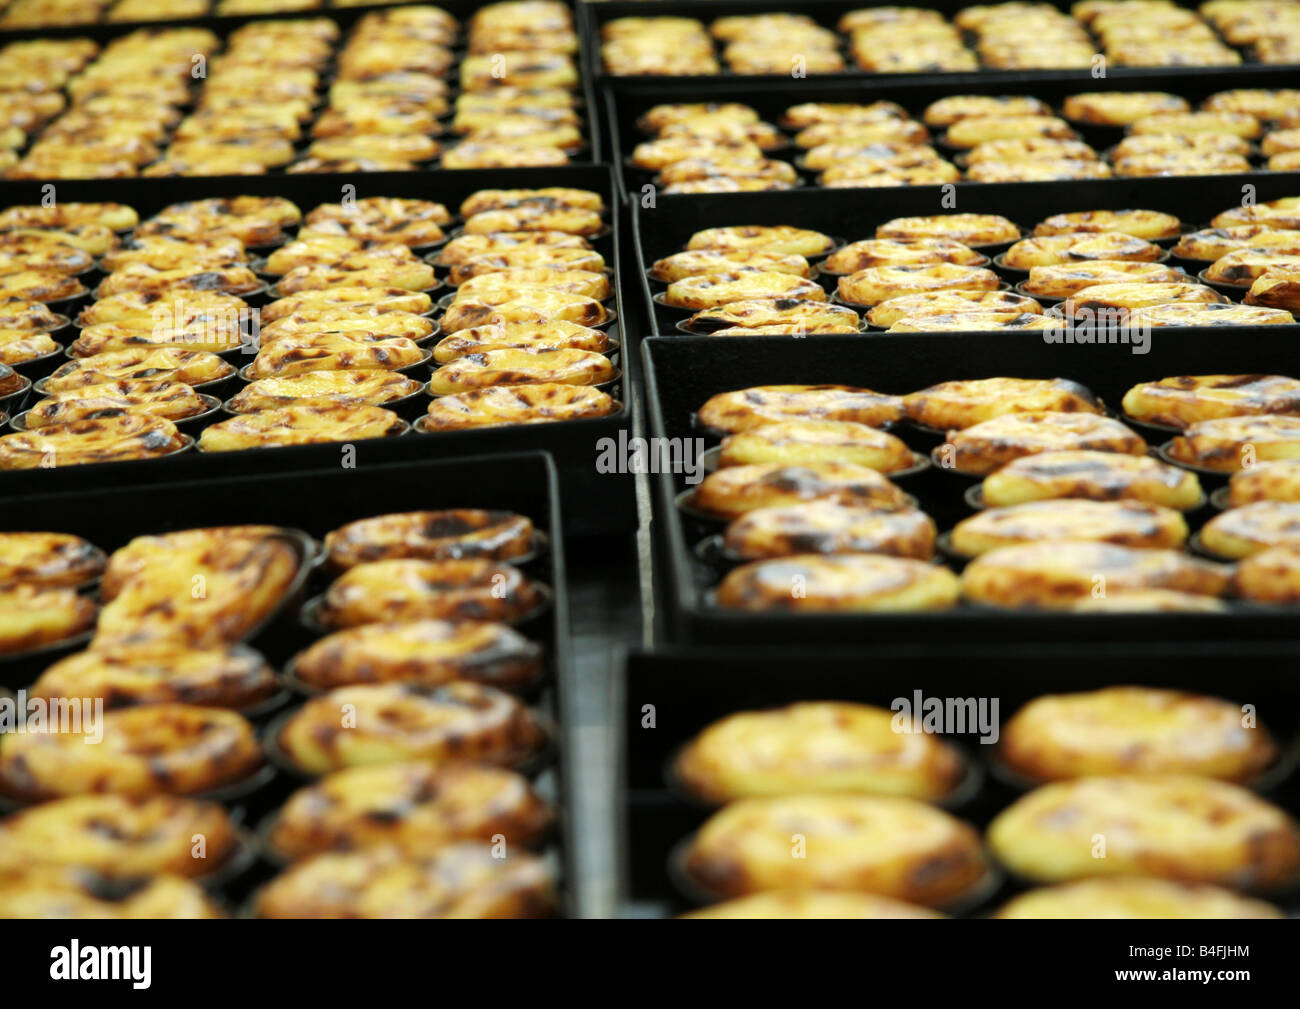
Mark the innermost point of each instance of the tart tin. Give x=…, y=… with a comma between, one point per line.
x=1162, y=453
x=38, y=367
x=10, y=402
x=1219, y=498
x=1233, y=291
x=195, y=422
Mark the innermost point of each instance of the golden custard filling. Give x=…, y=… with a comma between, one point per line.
x=864, y=843
x=431, y=535
x=171, y=749
x=1134, y=898
x=414, y=589
x=1240, y=532
x=1183, y=828
x=1098, y=476
x=780, y=238
x=742, y=409
x=964, y=402
x=847, y=583
x=298, y=354
x=301, y=425
x=555, y=335
x=798, y=315
x=442, y=724
x=875, y=284
x=193, y=367
x=48, y=560
x=825, y=527
x=35, y=615
x=987, y=446
x=1152, y=225
x=896, y=251
x=527, y=305
x=161, y=671
x=1133, y=730
x=163, y=397
x=429, y=652
x=115, y=437
x=969, y=229
x=375, y=387
x=1227, y=444
x=1054, y=250
x=734, y=490
x=521, y=366
x=798, y=441
x=544, y=402
x=821, y=747
x=359, y=323
x=1183, y=400
x=1125, y=523
x=1267, y=481
x=378, y=300
x=414, y=806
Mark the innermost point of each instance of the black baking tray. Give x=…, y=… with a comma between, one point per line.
x=689, y=688
x=855, y=214
x=104, y=32
x=683, y=372
x=598, y=502
x=827, y=13
x=624, y=102
x=318, y=500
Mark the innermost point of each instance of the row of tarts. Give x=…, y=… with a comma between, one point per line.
x=260, y=93
x=414, y=749
x=342, y=345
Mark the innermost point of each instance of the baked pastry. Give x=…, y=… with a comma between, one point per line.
x=526, y=257
x=1269, y=576
x=452, y=534
x=955, y=108
x=301, y=425
x=804, y=316
x=974, y=322
x=429, y=652
x=800, y=441
x=1279, y=289
x=974, y=130
x=1105, y=301
x=141, y=553
x=1237, y=123
x=1053, y=574
x=115, y=437
x=730, y=492
x=193, y=367
x=1266, y=481
x=169, y=749
x=1149, y=148
x=1059, y=250
x=521, y=366
x=159, y=672
x=896, y=251
x=815, y=747
x=820, y=904
x=35, y=615
x=118, y=836
x=1244, y=266
x=1248, y=529
x=1210, y=244
x=253, y=220
x=1176, y=827
x=1183, y=400
x=176, y=310
x=554, y=335
x=166, y=398
x=446, y=589
x=989, y=445
x=1222, y=313
x=416, y=807
x=77, y=894
x=871, y=286
x=1133, y=730
x=299, y=353
x=374, y=387
x=1022, y=150
x=1120, y=108
x=354, y=323
x=544, y=402
x=1262, y=103
x=865, y=843
x=44, y=285
x=960, y=404
x=1227, y=444
x=62, y=214
x=164, y=253
x=1152, y=225
x=825, y=527
x=30, y=316
x=1281, y=213
x=996, y=305
x=1150, y=601
x=464, y=880
x=969, y=229
x=1124, y=523
x=1066, y=279
x=700, y=262
x=48, y=560
x=205, y=592
x=785, y=329
x=744, y=409
x=530, y=305
x=1098, y=476
x=373, y=300
x=463, y=248
x=215, y=335
x=237, y=280
x=1134, y=898
x=843, y=583
x=388, y=722
x=780, y=238
x=706, y=291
